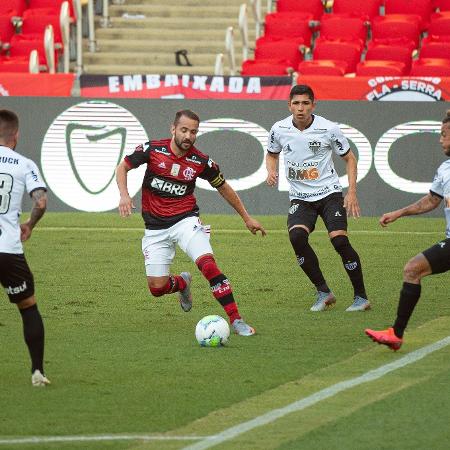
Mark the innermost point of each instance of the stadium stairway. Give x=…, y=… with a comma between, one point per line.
x=145, y=34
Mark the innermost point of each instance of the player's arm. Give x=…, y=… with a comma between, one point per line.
x=126, y=204
x=230, y=195
x=272, y=168
x=351, y=203
x=425, y=204
x=39, y=199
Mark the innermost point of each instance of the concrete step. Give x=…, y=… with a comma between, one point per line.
x=118, y=69
x=140, y=45
x=148, y=58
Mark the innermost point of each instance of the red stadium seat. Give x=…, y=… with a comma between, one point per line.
x=14, y=64
x=367, y=9
x=435, y=49
x=400, y=52
x=35, y=23
x=6, y=30
x=421, y=8
x=313, y=7
x=441, y=5
x=12, y=7
x=349, y=52
x=431, y=67
x=288, y=49
x=381, y=68
x=439, y=24
x=397, y=26
x=322, y=67
x=342, y=28
x=53, y=4
x=286, y=25
x=21, y=47
x=269, y=67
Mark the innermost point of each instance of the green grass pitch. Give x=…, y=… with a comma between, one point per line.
x=123, y=362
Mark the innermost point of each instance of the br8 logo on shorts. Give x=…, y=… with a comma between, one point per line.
x=169, y=187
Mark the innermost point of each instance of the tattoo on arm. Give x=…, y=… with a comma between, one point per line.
x=39, y=197
x=423, y=205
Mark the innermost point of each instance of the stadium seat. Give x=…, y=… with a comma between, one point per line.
x=55, y=5
x=12, y=7
x=35, y=23
x=313, y=7
x=367, y=9
x=431, y=67
x=22, y=45
x=287, y=25
x=375, y=68
x=441, y=5
x=421, y=8
x=342, y=28
x=435, y=48
x=322, y=67
x=397, y=26
x=288, y=49
x=269, y=67
x=439, y=24
x=400, y=51
x=6, y=31
x=349, y=52
x=14, y=64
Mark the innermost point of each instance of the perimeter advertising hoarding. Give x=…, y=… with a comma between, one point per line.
x=78, y=142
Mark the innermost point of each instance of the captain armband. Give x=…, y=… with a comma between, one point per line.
x=217, y=181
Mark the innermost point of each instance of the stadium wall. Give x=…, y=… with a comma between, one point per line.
x=78, y=142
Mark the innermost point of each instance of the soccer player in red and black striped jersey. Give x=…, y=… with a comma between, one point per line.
x=171, y=214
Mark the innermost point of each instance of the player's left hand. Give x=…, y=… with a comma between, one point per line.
x=25, y=231
x=351, y=204
x=254, y=226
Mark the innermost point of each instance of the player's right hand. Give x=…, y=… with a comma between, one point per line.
x=272, y=178
x=126, y=206
x=388, y=218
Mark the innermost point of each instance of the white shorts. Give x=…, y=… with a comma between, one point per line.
x=158, y=246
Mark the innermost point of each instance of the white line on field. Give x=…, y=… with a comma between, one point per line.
x=328, y=392
x=228, y=231
x=230, y=433
x=106, y=437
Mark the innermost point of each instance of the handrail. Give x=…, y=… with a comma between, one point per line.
x=49, y=46
x=64, y=20
x=218, y=66
x=243, y=27
x=33, y=64
x=92, y=44
x=105, y=21
x=229, y=46
x=79, y=33
x=257, y=15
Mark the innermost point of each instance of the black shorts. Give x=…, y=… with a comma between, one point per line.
x=439, y=256
x=330, y=208
x=16, y=277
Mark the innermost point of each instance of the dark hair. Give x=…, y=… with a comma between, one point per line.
x=9, y=123
x=187, y=113
x=447, y=117
x=301, y=89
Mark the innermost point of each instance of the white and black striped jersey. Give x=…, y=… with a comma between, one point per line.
x=441, y=187
x=17, y=173
x=307, y=156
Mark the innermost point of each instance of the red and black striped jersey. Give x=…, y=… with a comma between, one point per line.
x=169, y=182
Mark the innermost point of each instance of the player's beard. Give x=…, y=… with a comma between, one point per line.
x=183, y=144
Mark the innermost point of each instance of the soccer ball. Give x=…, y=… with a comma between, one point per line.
x=212, y=331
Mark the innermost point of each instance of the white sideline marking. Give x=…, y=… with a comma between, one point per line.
x=106, y=437
x=328, y=392
x=231, y=231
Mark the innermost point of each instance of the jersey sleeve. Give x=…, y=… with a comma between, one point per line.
x=338, y=141
x=212, y=174
x=33, y=178
x=273, y=146
x=141, y=155
x=437, y=186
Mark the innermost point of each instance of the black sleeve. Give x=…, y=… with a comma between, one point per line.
x=212, y=174
x=141, y=155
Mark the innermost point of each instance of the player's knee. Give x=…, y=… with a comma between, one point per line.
x=299, y=239
x=208, y=266
x=340, y=243
x=412, y=271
